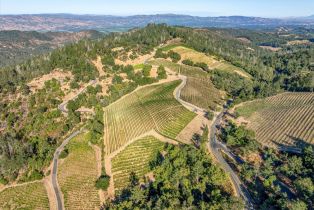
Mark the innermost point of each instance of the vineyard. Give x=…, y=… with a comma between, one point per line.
x=202, y=93
x=28, y=196
x=134, y=158
x=211, y=61
x=199, y=90
x=153, y=107
x=284, y=119
x=77, y=175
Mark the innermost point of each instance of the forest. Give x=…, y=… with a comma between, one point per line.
x=184, y=177
x=275, y=180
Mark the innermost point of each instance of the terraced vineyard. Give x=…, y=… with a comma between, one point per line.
x=134, y=158
x=285, y=119
x=153, y=107
x=28, y=196
x=199, y=90
x=77, y=175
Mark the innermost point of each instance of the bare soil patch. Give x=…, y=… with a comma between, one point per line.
x=298, y=42
x=86, y=110
x=253, y=158
x=140, y=59
x=117, y=49
x=153, y=72
x=58, y=74
x=105, y=85
x=244, y=40
x=274, y=49
x=194, y=127
x=150, y=176
x=99, y=66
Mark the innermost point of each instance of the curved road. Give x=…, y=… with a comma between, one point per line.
x=54, y=181
x=62, y=106
x=215, y=146
x=213, y=143
x=55, y=170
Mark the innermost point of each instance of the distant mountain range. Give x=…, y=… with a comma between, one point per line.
x=70, y=22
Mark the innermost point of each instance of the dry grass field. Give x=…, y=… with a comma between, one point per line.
x=211, y=61
x=77, y=175
x=64, y=77
x=284, y=119
x=28, y=196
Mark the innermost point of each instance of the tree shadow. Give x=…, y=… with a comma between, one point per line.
x=296, y=146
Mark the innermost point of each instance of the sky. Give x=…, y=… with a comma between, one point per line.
x=261, y=8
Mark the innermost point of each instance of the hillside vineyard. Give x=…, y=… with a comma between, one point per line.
x=158, y=117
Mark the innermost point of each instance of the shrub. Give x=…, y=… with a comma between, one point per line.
x=103, y=182
x=161, y=72
x=3, y=180
x=188, y=62
x=203, y=66
x=160, y=54
x=64, y=153
x=209, y=115
x=146, y=70
x=174, y=56
x=74, y=85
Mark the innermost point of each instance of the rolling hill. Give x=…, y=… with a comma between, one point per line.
x=71, y=22
x=17, y=46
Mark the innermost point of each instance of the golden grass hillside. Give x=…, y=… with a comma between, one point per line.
x=211, y=61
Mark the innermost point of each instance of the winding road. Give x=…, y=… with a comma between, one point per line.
x=54, y=180
x=216, y=146
x=63, y=106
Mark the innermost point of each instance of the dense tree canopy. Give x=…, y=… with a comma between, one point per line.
x=184, y=177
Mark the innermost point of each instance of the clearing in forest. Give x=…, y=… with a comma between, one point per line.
x=134, y=158
x=284, y=119
x=298, y=42
x=211, y=61
x=98, y=64
x=273, y=49
x=77, y=175
x=138, y=60
x=64, y=77
x=199, y=89
x=152, y=107
x=26, y=196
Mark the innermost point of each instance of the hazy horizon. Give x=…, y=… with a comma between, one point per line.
x=202, y=8
x=151, y=14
